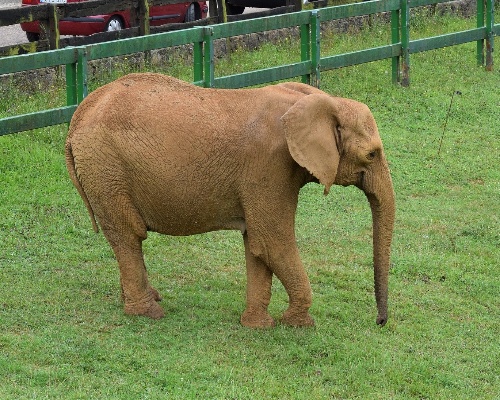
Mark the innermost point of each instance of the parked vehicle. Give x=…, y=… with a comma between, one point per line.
x=235, y=7
x=84, y=26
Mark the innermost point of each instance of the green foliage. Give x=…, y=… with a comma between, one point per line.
x=63, y=333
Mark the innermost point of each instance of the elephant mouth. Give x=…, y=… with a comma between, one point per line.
x=359, y=180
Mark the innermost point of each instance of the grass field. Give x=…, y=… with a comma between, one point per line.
x=63, y=334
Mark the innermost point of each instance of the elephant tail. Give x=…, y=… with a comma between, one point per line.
x=70, y=164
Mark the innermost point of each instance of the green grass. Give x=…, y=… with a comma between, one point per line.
x=63, y=333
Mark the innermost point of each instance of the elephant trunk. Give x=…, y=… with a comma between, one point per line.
x=378, y=188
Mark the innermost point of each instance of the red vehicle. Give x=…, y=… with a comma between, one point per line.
x=84, y=26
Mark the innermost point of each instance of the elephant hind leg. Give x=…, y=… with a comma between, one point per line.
x=139, y=297
x=125, y=237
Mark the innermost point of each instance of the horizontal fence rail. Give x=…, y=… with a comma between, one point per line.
x=308, y=68
x=221, y=31
x=50, y=14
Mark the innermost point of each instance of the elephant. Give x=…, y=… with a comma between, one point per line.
x=149, y=152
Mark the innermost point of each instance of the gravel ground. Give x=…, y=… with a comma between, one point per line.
x=13, y=34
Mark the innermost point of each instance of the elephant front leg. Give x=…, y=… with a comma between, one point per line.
x=277, y=255
x=259, y=281
x=289, y=270
x=139, y=296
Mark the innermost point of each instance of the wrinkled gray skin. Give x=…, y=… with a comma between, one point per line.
x=152, y=153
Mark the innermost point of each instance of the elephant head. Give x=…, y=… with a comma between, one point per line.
x=151, y=153
x=338, y=142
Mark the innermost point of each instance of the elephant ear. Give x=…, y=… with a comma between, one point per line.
x=310, y=127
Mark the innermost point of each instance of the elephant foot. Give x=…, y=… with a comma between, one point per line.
x=156, y=295
x=382, y=319
x=257, y=319
x=148, y=307
x=151, y=310
x=297, y=318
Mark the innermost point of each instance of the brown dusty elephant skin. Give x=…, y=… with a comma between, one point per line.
x=151, y=153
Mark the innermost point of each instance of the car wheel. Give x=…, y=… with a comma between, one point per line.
x=32, y=36
x=115, y=23
x=234, y=10
x=190, y=13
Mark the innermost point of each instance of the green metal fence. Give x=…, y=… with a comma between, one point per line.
x=309, y=67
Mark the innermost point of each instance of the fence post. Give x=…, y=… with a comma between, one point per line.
x=197, y=62
x=315, y=48
x=489, y=35
x=221, y=11
x=208, y=47
x=480, y=24
x=395, y=37
x=81, y=70
x=49, y=29
x=71, y=82
x=139, y=16
x=54, y=26
x=405, y=43
x=305, y=49
x=144, y=14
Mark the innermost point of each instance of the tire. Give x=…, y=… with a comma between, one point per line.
x=191, y=13
x=234, y=10
x=115, y=23
x=32, y=36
